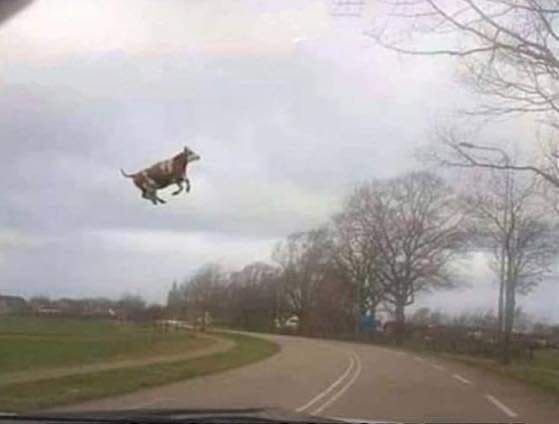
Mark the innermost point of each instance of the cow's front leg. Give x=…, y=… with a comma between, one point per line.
x=181, y=188
x=159, y=199
x=149, y=196
x=187, y=181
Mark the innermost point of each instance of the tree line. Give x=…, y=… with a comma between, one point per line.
x=129, y=307
x=391, y=240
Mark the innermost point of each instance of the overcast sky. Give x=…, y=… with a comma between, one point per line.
x=287, y=105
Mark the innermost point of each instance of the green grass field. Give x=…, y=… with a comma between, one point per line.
x=30, y=344
x=66, y=390
x=34, y=343
x=548, y=359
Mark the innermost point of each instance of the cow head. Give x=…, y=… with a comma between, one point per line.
x=190, y=155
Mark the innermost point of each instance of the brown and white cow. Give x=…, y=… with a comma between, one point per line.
x=163, y=174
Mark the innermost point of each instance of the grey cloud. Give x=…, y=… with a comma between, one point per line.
x=253, y=118
x=282, y=138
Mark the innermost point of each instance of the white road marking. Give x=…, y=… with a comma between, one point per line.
x=462, y=379
x=341, y=391
x=329, y=388
x=419, y=359
x=438, y=367
x=501, y=406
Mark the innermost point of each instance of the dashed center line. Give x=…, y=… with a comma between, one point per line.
x=438, y=367
x=509, y=412
x=461, y=379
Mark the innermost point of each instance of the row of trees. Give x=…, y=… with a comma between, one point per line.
x=127, y=307
x=246, y=299
x=396, y=238
x=508, y=55
x=391, y=240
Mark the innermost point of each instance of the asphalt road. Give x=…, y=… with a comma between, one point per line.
x=339, y=379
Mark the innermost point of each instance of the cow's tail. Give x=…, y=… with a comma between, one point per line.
x=124, y=174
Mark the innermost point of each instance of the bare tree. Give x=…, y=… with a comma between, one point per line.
x=354, y=256
x=174, y=301
x=509, y=220
x=303, y=258
x=133, y=306
x=204, y=294
x=508, y=48
x=415, y=230
x=254, y=296
x=508, y=52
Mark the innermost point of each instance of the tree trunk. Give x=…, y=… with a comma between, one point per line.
x=510, y=305
x=399, y=313
x=400, y=322
x=304, y=323
x=357, y=310
x=506, y=354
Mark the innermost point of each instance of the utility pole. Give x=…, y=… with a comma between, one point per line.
x=504, y=248
x=503, y=262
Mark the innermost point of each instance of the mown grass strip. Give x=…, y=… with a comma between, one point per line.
x=29, y=344
x=66, y=390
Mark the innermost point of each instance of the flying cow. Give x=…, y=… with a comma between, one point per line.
x=163, y=174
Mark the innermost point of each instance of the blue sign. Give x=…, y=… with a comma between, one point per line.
x=367, y=324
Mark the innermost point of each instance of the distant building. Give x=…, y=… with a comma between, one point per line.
x=47, y=311
x=10, y=305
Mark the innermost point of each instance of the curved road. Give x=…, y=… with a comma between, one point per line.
x=339, y=379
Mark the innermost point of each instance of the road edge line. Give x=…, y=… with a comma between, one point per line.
x=461, y=379
x=504, y=408
x=438, y=367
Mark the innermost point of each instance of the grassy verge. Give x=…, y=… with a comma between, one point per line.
x=67, y=390
x=30, y=343
x=537, y=372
